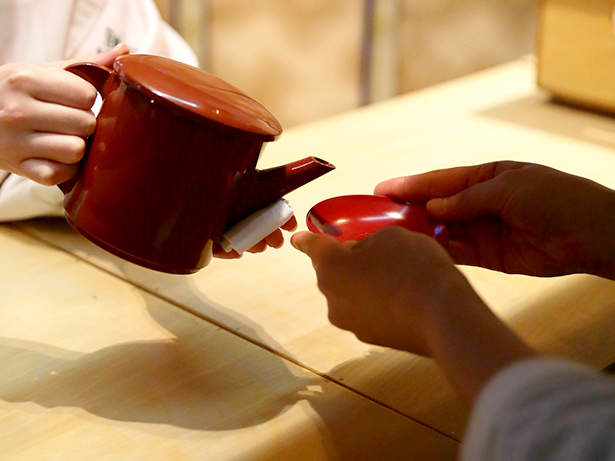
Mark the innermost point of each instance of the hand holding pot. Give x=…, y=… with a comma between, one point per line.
x=45, y=116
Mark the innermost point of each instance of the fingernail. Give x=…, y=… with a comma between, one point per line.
x=118, y=46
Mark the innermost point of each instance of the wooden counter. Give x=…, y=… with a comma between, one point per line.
x=94, y=368
x=239, y=361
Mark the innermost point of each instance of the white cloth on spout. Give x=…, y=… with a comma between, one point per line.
x=251, y=230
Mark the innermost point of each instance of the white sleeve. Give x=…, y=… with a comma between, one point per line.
x=543, y=410
x=136, y=22
x=21, y=198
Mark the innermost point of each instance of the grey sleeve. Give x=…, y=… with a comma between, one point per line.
x=543, y=410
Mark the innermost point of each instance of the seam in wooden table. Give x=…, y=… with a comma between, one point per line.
x=236, y=333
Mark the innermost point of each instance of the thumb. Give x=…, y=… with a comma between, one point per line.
x=104, y=59
x=484, y=198
x=316, y=246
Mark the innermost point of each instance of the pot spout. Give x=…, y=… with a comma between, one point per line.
x=267, y=186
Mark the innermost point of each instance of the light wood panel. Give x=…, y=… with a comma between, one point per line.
x=272, y=298
x=446, y=39
x=303, y=59
x=91, y=367
x=576, y=50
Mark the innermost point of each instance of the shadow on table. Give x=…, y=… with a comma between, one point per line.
x=208, y=379
x=204, y=379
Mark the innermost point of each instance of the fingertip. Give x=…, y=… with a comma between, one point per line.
x=310, y=243
x=298, y=240
x=118, y=50
x=290, y=225
x=388, y=186
x=275, y=239
x=121, y=48
x=258, y=248
x=454, y=208
x=108, y=57
x=437, y=206
x=220, y=253
x=316, y=246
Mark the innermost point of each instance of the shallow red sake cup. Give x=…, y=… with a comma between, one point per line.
x=354, y=217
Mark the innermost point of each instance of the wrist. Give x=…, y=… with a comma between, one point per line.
x=470, y=343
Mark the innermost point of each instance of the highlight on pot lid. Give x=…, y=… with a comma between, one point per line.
x=194, y=91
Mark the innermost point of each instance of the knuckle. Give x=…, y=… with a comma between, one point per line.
x=49, y=173
x=12, y=115
x=336, y=319
x=47, y=178
x=365, y=336
x=44, y=174
x=19, y=76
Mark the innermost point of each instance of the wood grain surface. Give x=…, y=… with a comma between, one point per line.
x=262, y=317
x=92, y=367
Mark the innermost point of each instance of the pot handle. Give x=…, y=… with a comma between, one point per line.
x=104, y=80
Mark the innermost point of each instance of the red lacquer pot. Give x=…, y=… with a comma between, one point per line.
x=172, y=163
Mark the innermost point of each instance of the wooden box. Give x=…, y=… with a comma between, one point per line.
x=576, y=51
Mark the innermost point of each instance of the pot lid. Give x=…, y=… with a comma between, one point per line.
x=194, y=91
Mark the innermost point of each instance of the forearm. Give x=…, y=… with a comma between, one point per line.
x=471, y=344
x=601, y=245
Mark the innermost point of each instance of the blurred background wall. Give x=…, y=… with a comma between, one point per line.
x=307, y=59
